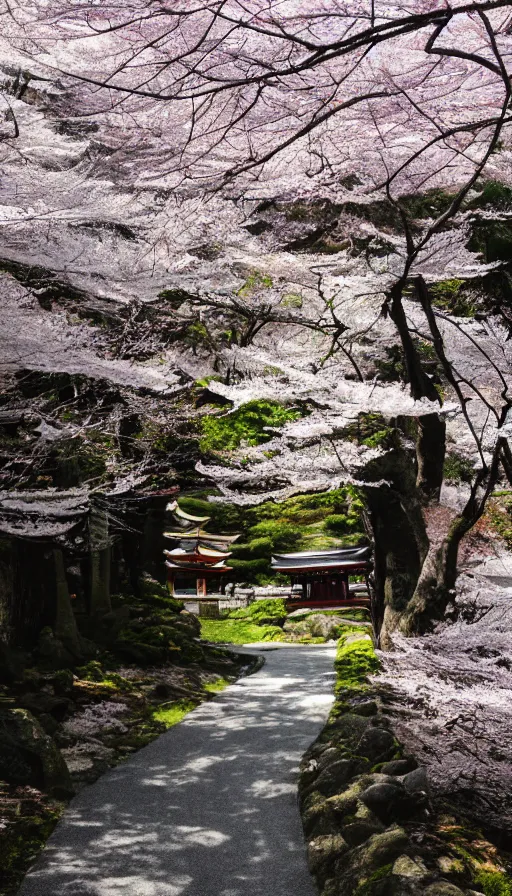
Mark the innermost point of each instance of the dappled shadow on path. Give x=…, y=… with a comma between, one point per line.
x=210, y=807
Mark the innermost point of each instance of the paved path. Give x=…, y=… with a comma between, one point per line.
x=208, y=809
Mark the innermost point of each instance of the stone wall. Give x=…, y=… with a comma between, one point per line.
x=370, y=823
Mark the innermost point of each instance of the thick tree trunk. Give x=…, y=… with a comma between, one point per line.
x=400, y=539
x=430, y=455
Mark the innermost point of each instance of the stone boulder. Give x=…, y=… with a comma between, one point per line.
x=323, y=853
x=334, y=777
x=29, y=756
x=316, y=625
x=362, y=863
x=377, y=744
x=359, y=827
x=389, y=801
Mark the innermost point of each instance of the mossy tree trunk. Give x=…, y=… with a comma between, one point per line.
x=400, y=538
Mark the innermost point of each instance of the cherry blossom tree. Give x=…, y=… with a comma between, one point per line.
x=347, y=103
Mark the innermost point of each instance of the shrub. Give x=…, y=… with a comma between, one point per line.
x=342, y=524
x=247, y=570
x=257, y=547
x=263, y=612
x=495, y=194
x=283, y=536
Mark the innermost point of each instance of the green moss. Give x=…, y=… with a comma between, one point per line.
x=371, y=430
x=355, y=660
x=171, y=715
x=281, y=535
x=249, y=570
x=292, y=300
x=238, y=631
x=23, y=840
x=255, y=282
x=342, y=524
x=272, y=370
x=457, y=468
x=256, y=547
x=494, y=194
x=259, y=611
x=247, y=424
x=494, y=883
x=372, y=885
x=205, y=382
x=215, y=687
x=197, y=335
x=450, y=296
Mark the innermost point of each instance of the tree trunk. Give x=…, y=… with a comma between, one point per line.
x=400, y=539
x=100, y=603
x=430, y=454
x=65, y=627
x=99, y=600
x=420, y=383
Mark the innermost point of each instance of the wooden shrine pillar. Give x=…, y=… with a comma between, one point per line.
x=170, y=583
x=201, y=587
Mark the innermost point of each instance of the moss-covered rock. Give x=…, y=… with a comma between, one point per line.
x=378, y=853
x=29, y=756
x=323, y=853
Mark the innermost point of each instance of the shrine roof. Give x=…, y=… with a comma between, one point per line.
x=346, y=558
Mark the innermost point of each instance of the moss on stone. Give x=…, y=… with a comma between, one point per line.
x=216, y=687
x=355, y=660
x=23, y=841
x=254, y=283
x=371, y=886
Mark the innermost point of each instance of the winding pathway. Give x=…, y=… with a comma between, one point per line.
x=210, y=807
